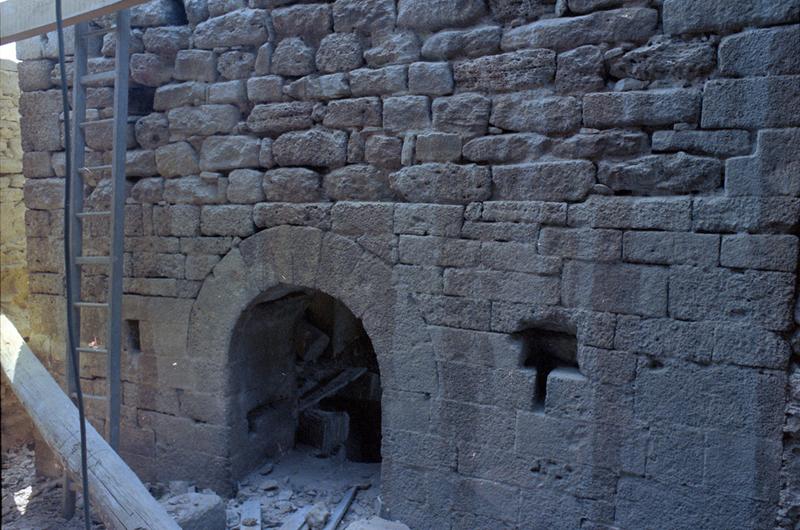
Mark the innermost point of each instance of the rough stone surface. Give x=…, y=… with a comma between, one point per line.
x=662, y=174
x=543, y=181
x=445, y=183
x=316, y=147
x=244, y=27
x=437, y=14
x=292, y=184
x=506, y=72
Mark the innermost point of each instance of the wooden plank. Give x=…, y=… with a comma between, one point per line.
x=341, y=509
x=251, y=515
x=117, y=494
x=21, y=19
x=330, y=388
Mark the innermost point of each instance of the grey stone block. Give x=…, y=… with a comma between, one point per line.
x=265, y=158
x=526, y=112
x=292, y=57
x=746, y=214
x=40, y=130
x=653, y=107
x=359, y=182
x=544, y=181
x=179, y=95
x=662, y=174
x=580, y=70
x=442, y=183
x=245, y=186
x=44, y=194
x=292, y=184
x=323, y=87
x=427, y=219
x=204, y=120
x=233, y=92
x=339, y=52
x=196, y=11
x=363, y=16
x=393, y=48
x=383, y=151
x=140, y=163
x=515, y=11
x=37, y=164
x=166, y=40
x=465, y=114
x=518, y=257
x=671, y=248
x=378, y=81
x=404, y=113
x=277, y=118
x=438, y=14
x=585, y=244
x=151, y=70
x=218, y=8
x=34, y=75
x=695, y=16
x=229, y=152
x=714, y=143
x=267, y=215
x=501, y=285
x=758, y=481
x=432, y=79
x=317, y=147
x=206, y=188
x=177, y=160
x=525, y=212
x=148, y=190
x=750, y=346
x=623, y=288
x=469, y=422
x=177, y=220
x=506, y=148
x=439, y=251
x=666, y=338
x=770, y=170
x=773, y=51
x=235, y=64
x=506, y=72
x=263, y=59
x=437, y=147
x=349, y=113
x=595, y=145
x=227, y=220
x=766, y=252
x=265, y=89
x=243, y=27
x=634, y=213
x=751, y=103
x=455, y=311
x=452, y=44
x=311, y=22
x=631, y=24
x=665, y=58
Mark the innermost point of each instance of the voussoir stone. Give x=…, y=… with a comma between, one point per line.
x=292, y=184
x=277, y=118
x=442, y=183
x=229, y=152
x=244, y=27
x=506, y=72
x=315, y=147
x=662, y=174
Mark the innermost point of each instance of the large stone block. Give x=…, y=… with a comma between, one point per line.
x=152, y=131
x=438, y=14
x=437, y=147
x=277, y=118
x=292, y=57
x=339, y=52
x=311, y=22
x=442, y=183
x=358, y=182
x=313, y=87
x=204, y=120
x=580, y=70
x=179, y=95
x=502, y=285
x=316, y=147
x=34, y=75
x=649, y=108
x=177, y=160
x=151, y=70
x=40, y=130
x=363, y=16
x=746, y=214
x=665, y=58
x=773, y=51
x=453, y=44
x=465, y=114
x=594, y=245
x=404, y=113
x=766, y=252
x=751, y=103
x=378, y=81
x=394, y=48
x=227, y=220
x=525, y=112
x=229, y=152
x=600, y=144
x=235, y=64
x=506, y=148
x=632, y=24
x=292, y=184
x=347, y=113
x=167, y=40
x=671, y=248
x=206, y=188
x=245, y=186
x=265, y=89
x=544, y=181
x=662, y=174
x=243, y=27
x=433, y=79
x=714, y=143
x=177, y=220
x=506, y=72
x=706, y=16
x=772, y=170
x=44, y=194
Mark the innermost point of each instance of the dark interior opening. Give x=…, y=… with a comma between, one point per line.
x=545, y=350
x=133, y=340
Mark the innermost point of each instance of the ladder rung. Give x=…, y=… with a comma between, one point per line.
x=130, y=119
x=98, y=305
x=99, y=31
x=94, y=213
x=90, y=169
x=88, y=349
x=99, y=77
x=93, y=260
x=74, y=395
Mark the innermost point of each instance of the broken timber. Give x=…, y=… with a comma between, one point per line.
x=330, y=388
x=117, y=493
x=21, y=19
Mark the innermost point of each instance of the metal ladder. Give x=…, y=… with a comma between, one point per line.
x=116, y=215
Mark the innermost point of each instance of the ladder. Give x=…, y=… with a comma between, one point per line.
x=115, y=216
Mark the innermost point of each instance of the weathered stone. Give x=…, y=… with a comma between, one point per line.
x=140, y=163
x=311, y=22
x=766, y=252
x=229, y=152
x=580, y=70
x=227, y=220
x=196, y=65
x=292, y=184
x=177, y=220
x=148, y=190
x=714, y=143
x=233, y=92
x=206, y=188
x=665, y=58
x=611, y=142
x=653, y=107
x=662, y=174
x=293, y=58
x=627, y=289
x=462, y=43
x=438, y=14
x=359, y=182
x=404, y=113
x=339, y=52
x=245, y=186
x=746, y=214
x=315, y=87
x=751, y=103
x=442, y=183
x=634, y=24
x=506, y=148
x=265, y=153
x=44, y=194
x=514, y=11
x=277, y=118
x=772, y=170
x=166, y=40
x=585, y=244
x=40, y=128
x=376, y=82
x=204, y=120
x=244, y=27
x=149, y=69
x=636, y=213
x=581, y=7
x=383, y=151
x=393, y=48
x=465, y=114
x=363, y=16
x=36, y=164
x=316, y=147
x=264, y=59
x=218, y=8
x=157, y=13
x=236, y=64
x=196, y=11
x=177, y=160
x=437, y=147
x=34, y=75
x=527, y=112
x=180, y=95
x=774, y=51
x=347, y=113
x=506, y=72
x=265, y=89
x=694, y=16
x=544, y=181
x=99, y=135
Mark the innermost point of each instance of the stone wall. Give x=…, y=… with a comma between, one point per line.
x=16, y=427
x=569, y=227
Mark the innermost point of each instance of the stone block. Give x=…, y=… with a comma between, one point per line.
x=771, y=170
x=437, y=14
x=772, y=51
x=243, y=27
x=41, y=129
x=196, y=11
x=632, y=213
x=404, y=113
x=363, y=16
x=481, y=424
x=292, y=184
x=316, y=147
x=514, y=12
x=455, y=311
x=665, y=338
x=506, y=148
x=311, y=22
x=650, y=108
x=518, y=257
x=620, y=288
x=478, y=348
x=36, y=164
x=233, y=92
x=229, y=152
x=506, y=72
x=427, y=219
x=152, y=131
x=751, y=103
x=34, y=75
x=204, y=120
x=502, y=285
x=526, y=112
x=746, y=214
x=442, y=183
x=713, y=143
x=358, y=182
x=277, y=118
x=383, y=151
x=140, y=163
x=697, y=16
x=600, y=144
x=580, y=70
x=664, y=58
x=206, y=188
x=452, y=44
x=267, y=215
x=177, y=160
x=765, y=252
x=746, y=345
x=292, y=57
x=151, y=70
x=437, y=147
x=634, y=24
x=339, y=52
x=197, y=511
x=544, y=181
x=166, y=40
x=592, y=244
x=263, y=59
x=378, y=81
x=439, y=251
x=235, y=64
x=245, y=186
x=313, y=87
x=265, y=89
x=465, y=114
x=353, y=113
x=760, y=480
x=433, y=79
x=393, y=48
x=670, y=248
x=662, y=175
x=227, y=220
x=179, y=95
x=177, y=220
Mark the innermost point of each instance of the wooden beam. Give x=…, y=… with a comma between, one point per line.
x=21, y=19
x=117, y=493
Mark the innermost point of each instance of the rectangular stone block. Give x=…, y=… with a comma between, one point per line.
x=418, y=449
x=627, y=289
x=770, y=170
x=714, y=143
x=649, y=108
x=746, y=214
x=551, y=213
x=696, y=16
x=751, y=103
x=666, y=338
x=543, y=114
x=506, y=72
x=670, y=248
x=772, y=51
x=586, y=244
x=498, y=350
x=428, y=219
x=747, y=345
x=379, y=81
x=671, y=213
x=455, y=311
x=766, y=252
x=518, y=257
x=227, y=220
x=544, y=181
x=508, y=286
x=481, y=424
x=438, y=251
x=723, y=472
